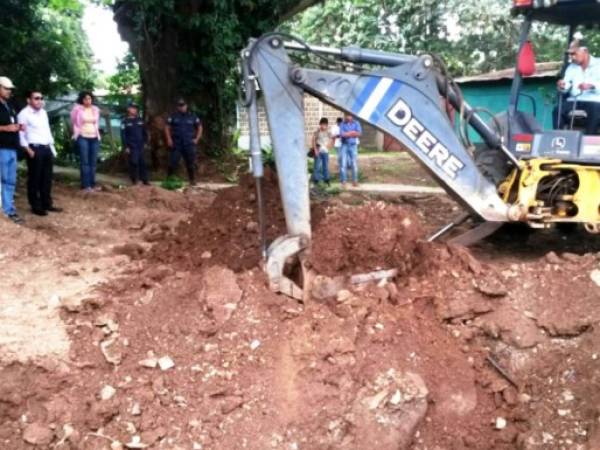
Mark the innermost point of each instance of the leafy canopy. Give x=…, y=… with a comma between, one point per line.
x=44, y=47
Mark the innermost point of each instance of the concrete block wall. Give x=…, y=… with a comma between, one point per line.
x=314, y=109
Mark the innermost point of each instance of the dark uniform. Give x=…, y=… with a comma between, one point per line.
x=133, y=136
x=183, y=130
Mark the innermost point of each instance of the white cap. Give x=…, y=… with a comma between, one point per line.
x=5, y=82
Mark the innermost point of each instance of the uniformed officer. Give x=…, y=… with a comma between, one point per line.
x=183, y=131
x=134, y=136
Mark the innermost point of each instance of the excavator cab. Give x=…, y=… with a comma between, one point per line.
x=565, y=163
x=570, y=14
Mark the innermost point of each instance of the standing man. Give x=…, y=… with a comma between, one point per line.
x=581, y=84
x=350, y=131
x=133, y=137
x=38, y=143
x=183, y=131
x=9, y=144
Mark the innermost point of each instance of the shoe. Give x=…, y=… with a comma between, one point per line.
x=97, y=188
x=355, y=184
x=146, y=183
x=343, y=185
x=16, y=218
x=54, y=209
x=87, y=190
x=39, y=212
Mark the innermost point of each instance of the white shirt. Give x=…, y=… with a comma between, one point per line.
x=335, y=131
x=37, y=128
x=575, y=75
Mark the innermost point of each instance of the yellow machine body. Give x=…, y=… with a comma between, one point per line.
x=547, y=191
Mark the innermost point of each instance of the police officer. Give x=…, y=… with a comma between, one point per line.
x=183, y=131
x=133, y=136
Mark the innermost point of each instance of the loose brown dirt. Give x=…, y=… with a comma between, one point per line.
x=140, y=319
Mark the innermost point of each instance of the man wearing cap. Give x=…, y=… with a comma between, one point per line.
x=133, y=137
x=9, y=143
x=581, y=84
x=183, y=131
x=36, y=138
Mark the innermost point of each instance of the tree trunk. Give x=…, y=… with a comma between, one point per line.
x=176, y=51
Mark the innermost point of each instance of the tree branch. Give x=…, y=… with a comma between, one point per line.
x=298, y=8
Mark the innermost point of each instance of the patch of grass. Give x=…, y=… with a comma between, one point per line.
x=172, y=183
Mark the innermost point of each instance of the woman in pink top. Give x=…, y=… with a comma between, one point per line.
x=85, y=118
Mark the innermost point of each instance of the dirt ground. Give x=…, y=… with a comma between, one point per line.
x=140, y=318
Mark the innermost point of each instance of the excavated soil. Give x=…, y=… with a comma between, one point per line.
x=140, y=319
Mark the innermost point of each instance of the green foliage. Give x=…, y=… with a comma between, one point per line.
x=125, y=85
x=43, y=46
x=172, y=183
x=472, y=37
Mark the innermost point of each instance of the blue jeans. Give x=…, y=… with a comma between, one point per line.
x=8, y=176
x=321, y=168
x=348, y=159
x=88, y=155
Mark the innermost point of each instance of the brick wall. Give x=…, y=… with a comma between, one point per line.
x=314, y=109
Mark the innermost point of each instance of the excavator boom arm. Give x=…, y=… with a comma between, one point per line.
x=403, y=98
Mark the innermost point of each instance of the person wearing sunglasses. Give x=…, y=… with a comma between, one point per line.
x=581, y=86
x=9, y=144
x=38, y=143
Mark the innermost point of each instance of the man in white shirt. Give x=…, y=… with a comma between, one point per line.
x=37, y=141
x=581, y=84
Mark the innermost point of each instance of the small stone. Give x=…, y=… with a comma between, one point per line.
x=107, y=392
x=231, y=403
x=38, y=434
x=595, y=276
x=111, y=352
x=374, y=401
x=524, y=398
x=54, y=301
x=344, y=295
x=510, y=396
x=151, y=363
x=563, y=412
x=396, y=398
x=116, y=445
x=500, y=423
x=136, y=442
x=547, y=437
x=252, y=226
x=491, y=286
x=571, y=257
x=553, y=258
x=136, y=410
x=568, y=396
x=254, y=344
x=71, y=305
x=206, y=255
x=166, y=363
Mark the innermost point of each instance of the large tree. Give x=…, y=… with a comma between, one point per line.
x=191, y=48
x=472, y=37
x=44, y=46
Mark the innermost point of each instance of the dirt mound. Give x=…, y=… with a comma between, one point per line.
x=366, y=238
x=227, y=232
